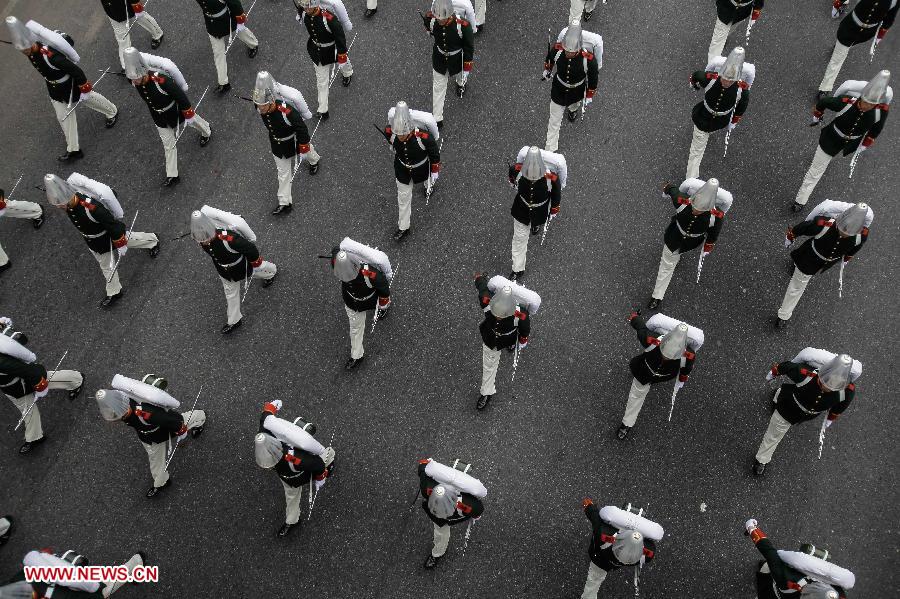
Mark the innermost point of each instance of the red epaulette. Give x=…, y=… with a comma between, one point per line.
x=462, y=22
x=689, y=355
x=717, y=213
x=557, y=46
x=804, y=372
x=292, y=459
x=388, y=130
x=884, y=107
x=683, y=200
x=142, y=414
x=421, y=134
x=743, y=85
x=864, y=232
x=648, y=553
x=607, y=538
x=588, y=55
x=552, y=176
x=224, y=236
x=87, y=204
x=158, y=78
x=427, y=491
x=284, y=109
x=46, y=51
x=327, y=15
x=710, y=75
x=466, y=509
x=520, y=315
x=821, y=221
x=485, y=300
x=518, y=167
x=652, y=341
x=847, y=100
x=852, y=387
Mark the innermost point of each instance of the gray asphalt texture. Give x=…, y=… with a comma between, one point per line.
x=546, y=441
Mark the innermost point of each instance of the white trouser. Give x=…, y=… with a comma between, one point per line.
x=439, y=88
x=285, y=168
x=123, y=35
x=69, y=124
x=156, y=452
x=113, y=586
x=5, y=525
x=357, y=332
x=556, y=115
x=373, y=4
x=818, y=167
x=68, y=380
x=167, y=136
x=107, y=261
x=404, y=204
x=233, y=295
x=18, y=209
x=576, y=7
x=4, y=258
x=490, y=361
x=775, y=432
x=323, y=81
x=636, y=396
x=292, y=497
x=595, y=577
x=521, y=233
x=667, y=263
x=219, y=45
x=838, y=56
x=695, y=155
x=441, y=540
x=793, y=293
x=719, y=37
x=480, y=11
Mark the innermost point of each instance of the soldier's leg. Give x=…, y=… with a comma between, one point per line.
x=404, y=203
x=98, y=103
x=33, y=429
x=636, y=396
x=793, y=293
x=818, y=167
x=719, y=38
x=67, y=380
x=233, y=298
x=265, y=271
x=576, y=7
x=247, y=36
x=167, y=136
x=149, y=24
x=285, y=167
x=107, y=263
x=595, y=577
x=201, y=125
x=312, y=157
x=22, y=209
x=775, y=432
x=194, y=420
x=699, y=140
x=123, y=37
x=438, y=94
x=838, y=56
x=372, y=4
x=156, y=455
x=441, y=540
x=292, y=496
x=521, y=233
x=4, y=258
x=219, y=58
x=667, y=263
x=480, y=11
x=142, y=241
x=323, y=75
x=556, y=114
x=490, y=361
x=69, y=125
x=357, y=332
x=111, y=587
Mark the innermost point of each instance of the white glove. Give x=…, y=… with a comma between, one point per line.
x=862, y=148
x=40, y=394
x=704, y=254
x=828, y=423
x=181, y=437
x=731, y=126
x=242, y=27
x=5, y=321
x=189, y=121
x=770, y=376
x=2, y=211
x=787, y=242
x=815, y=121
x=321, y=483
x=545, y=75
x=298, y=18
x=678, y=385
x=122, y=250
x=751, y=524
x=587, y=101
x=522, y=345
x=276, y=403
x=835, y=13
x=434, y=177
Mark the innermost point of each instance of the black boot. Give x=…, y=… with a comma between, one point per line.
x=228, y=328
x=170, y=182
x=222, y=88
x=353, y=363
x=517, y=275
x=29, y=445
x=77, y=391
x=571, y=115
x=483, y=401
x=109, y=300
x=623, y=431
x=282, y=209
x=5, y=536
x=431, y=562
x=285, y=529
x=36, y=223
x=69, y=156
x=154, y=251
x=758, y=468
x=154, y=44
x=654, y=303
x=795, y=207
x=268, y=282
x=111, y=121
x=252, y=52
x=154, y=491
x=370, y=12
x=400, y=234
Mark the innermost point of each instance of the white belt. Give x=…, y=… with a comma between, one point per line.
x=714, y=112
x=218, y=14
x=58, y=81
x=844, y=135
x=161, y=110
x=291, y=136
x=418, y=164
x=569, y=85
x=533, y=205
x=457, y=51
x=324, y=45
x=235, y=263
x=496, y=334
x=93, y=235
x=15, y=381
x=863, y=24
x=360, y=299
x=686, y=234
x=804, y=410
x=741, y=4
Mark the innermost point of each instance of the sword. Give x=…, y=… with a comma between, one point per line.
x=841, y=280
x=9, y=197
x=231, y=40
x=749, y=27
x=334, y=74
x=133, y=23
x=5, y=42
x=299, y=162
x=247, y=282
x=390, y=284
x=312, y=499
x=727, y=139
x=468, y=534
x=515, y=360
x=822, y=436
x=699, y=266
x=672, y=408
x=854, y=160
x=116, y=265
x=203, y=95
x=430, y=186
x=71, y=110
x=190, y=420
x=28, y=411
x=874, y=45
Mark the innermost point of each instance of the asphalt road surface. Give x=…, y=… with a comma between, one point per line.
x=546, y=441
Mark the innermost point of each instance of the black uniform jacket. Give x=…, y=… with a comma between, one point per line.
x=234, y=256
x=63, y=77
x=454, y=44
x=802, y=399
x=867, y=17
x=501, y=333
x=221, y=16
x=467, y=507
x=576, y=78
x=288, y=134
x=735, y=11
x=165, y=99
x=153, y=424
x=100, y=229
x=602, y=540
x=413, y=156
x=364, y=292
x=719, y=105
x=687, y=230
x=18, y=378
x=788, y=582
x=296, y=466
x=327, y=42
x=119, y=10
x=534, y=199
x=41, y=589
x=826, y=247
x=650, y=366
x=850, y=127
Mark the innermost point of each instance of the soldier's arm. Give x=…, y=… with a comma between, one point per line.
x=742, y=104
x=484, y=294
x=639, y=324
x=550, y=60
x=712, y=235
x=382, y=288
x=873, y=133
x=555, y=193
x=674, y=192
x=592, y=513
x=699, y=78
x=340, y=39
x=235, y=8
x=807, y=228
x=687, y=365
x=468, y=44
x=888, y=20
x=300, y=130
x=168, y=419
x=524, y=326
x=34, y=375
x=426, y=483
x=852, y=251
x=310, y=462
x=649, y=549
x=768, y=551
x=849, y=395
x=434, y=153
x=593, y=76
x=115, y=228
x=789, y=369
x=758, y=4
x=427, y=20
x=471, y=506
x=247, y=248
x=835, y=103
x=61, y=62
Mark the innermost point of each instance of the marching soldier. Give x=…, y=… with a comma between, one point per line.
x=507, y=309
x=226, y=20
x=804, y=573
x=18, y=209
x=122, y=15
x=699, y=212
x=833, y=237
x=452, y=54
x=105, y=235
x=236, y=260
x=327, y=45
x=53, y=55
x=448, y=504
x=417, y=159
x=619, y=538
x=868, y=19
x=63, y=588
x=538, y=195
x=726, y=94
x=24, y=380
x=282, y=113
x=575, y=81
x=811, y=386
x=861, y=114
x=168, y=103
x=295, y=455
x=146, y=407
x=728, y=14
x=365, y=275
x=664, y=357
